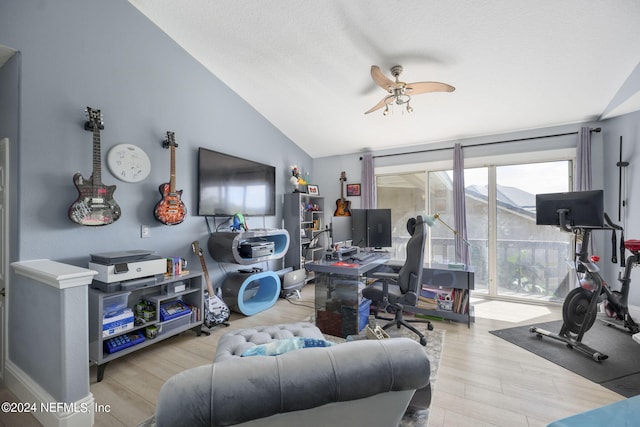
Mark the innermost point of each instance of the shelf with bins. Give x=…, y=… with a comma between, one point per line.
x=118, y=309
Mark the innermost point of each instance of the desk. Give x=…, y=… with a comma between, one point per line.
x=459, y=281
x=338, y=299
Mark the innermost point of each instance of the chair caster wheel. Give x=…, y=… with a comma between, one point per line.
x=423, y=341
x=430, y=326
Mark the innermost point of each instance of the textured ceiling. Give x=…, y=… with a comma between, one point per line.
x=516, y=64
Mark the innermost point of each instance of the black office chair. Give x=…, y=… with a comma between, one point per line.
x=398, y=292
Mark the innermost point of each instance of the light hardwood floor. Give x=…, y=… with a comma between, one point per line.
x=482, y=381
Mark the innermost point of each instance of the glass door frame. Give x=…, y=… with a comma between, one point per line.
x=491, y=163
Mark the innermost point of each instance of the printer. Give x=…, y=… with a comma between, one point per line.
x=126, y=270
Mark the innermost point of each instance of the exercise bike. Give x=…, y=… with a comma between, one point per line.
x=580, y=306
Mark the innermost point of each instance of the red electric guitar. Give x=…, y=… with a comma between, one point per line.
x=95, y=204
x=343, y=206
x=170, y=210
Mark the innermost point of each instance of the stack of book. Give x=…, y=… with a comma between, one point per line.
x=456, y=300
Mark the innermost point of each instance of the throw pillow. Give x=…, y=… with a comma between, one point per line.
x=277, y=347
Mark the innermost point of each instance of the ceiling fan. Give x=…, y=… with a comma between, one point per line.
x=400, y=92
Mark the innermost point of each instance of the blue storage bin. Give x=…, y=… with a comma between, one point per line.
x=363, y=313
x=173, y=309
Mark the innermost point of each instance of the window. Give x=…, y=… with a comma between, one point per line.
x=511, y=256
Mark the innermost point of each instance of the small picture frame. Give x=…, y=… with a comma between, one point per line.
x=313, y=190
x=353, y=190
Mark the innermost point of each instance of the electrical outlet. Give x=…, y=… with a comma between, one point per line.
x=145, y=231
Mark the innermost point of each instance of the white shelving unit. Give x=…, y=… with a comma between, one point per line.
x=304, y=220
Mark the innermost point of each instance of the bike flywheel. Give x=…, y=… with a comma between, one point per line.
x=574, y=310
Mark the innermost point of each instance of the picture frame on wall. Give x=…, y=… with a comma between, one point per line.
x=353, y=190
x=313, y=190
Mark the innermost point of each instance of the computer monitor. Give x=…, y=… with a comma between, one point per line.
x=371, y=228
x=359, y=227
x=340, y=229
x=582, y=209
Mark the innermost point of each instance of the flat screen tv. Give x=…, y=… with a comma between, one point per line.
x=228, y=185
x=582, y=209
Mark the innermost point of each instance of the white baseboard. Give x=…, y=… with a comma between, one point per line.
x=47, y=411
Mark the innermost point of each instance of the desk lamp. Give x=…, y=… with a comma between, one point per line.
x=431, y=220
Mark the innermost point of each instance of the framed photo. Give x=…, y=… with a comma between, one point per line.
x=313, y=190
x=353, y=190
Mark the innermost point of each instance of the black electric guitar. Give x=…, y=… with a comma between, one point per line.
x=170, y=210
x=343, y=206
x=216, y=311
x=95, y=204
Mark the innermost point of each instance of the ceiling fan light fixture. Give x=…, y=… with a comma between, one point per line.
x=400, y=92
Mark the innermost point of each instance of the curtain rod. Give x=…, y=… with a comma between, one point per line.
x=597, y=130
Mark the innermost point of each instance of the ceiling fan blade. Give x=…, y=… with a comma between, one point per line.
x=424, y=87
x=381, y=80
x=379, y=105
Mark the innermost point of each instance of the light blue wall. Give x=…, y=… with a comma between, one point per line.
x=627, y=126
x=107, y=55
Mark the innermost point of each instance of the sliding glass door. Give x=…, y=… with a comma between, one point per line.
x=512, y=257
x=531, y=259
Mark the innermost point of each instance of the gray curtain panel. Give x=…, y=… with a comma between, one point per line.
x=582, y=169
x=459, y=205
x=368, y=181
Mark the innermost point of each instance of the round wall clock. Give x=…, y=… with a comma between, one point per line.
x=128, y=162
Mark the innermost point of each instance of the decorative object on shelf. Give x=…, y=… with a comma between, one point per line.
x=239, y=223
x=296, y=180
x=400, y=92
x=342, y=205
x=170, y=210
x=216, y=311
x=313, y=190
x=353, y=190
x=95, y=204
x=128, y=163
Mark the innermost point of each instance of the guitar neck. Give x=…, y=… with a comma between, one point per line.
x=206, y=272
x=97, y=157
x=172, y=176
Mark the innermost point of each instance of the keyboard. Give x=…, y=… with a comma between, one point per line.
x=362, y=256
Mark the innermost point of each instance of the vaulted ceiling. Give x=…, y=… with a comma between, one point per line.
x=515, y=64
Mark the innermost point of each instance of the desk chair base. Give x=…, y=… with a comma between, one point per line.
x=400, y=321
